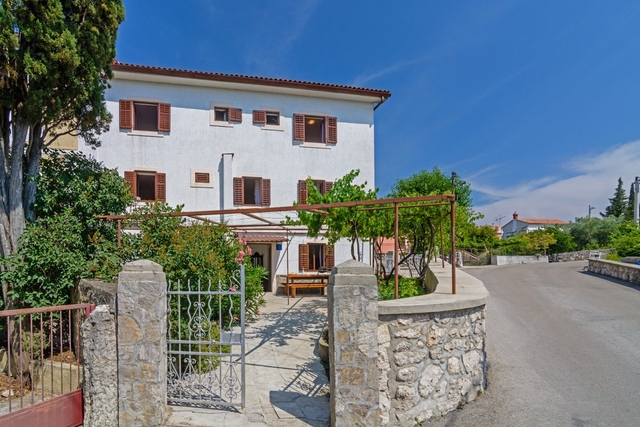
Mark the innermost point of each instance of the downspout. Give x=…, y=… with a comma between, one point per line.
x=382, y=101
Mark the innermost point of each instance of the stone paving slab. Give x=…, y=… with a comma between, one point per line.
x=286, y=383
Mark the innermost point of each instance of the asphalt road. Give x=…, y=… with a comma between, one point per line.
x=563, y=349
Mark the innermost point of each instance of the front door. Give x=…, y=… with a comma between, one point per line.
x=260, y=257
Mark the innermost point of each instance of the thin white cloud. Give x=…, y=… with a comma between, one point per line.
x=592, y=182
x=366, y=78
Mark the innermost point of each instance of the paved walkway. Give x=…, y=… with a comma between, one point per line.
x=286, y=384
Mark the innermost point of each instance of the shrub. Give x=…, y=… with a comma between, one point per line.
x=407, y=287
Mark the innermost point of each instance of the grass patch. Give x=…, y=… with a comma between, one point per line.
x=613, y=257
x=407, y=287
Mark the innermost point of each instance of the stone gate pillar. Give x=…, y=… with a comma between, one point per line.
x=142, y=344
x=353, y=345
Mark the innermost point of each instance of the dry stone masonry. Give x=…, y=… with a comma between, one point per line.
x=618, y=270
x=430, y=363
x=142, y=344
x=428, y=351
x=100, y=362
x=353, y=345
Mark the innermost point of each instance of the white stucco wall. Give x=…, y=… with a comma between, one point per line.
x=195, y=144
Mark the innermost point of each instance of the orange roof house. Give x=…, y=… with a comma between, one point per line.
x=525, y=225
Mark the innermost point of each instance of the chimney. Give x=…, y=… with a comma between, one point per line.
x=515, y=215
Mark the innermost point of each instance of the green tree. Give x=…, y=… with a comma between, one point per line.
x=593, y=233
x=628, y=212
x=626, y=239
x=483, y=237
x=67, y=241
x=618, y=203
x=55, y=63
x=422, y=225
x=564, y=241
x=353, y=223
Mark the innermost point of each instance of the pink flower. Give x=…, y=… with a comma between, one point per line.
x=233, y=288
x=258, y=312
x=235, y=319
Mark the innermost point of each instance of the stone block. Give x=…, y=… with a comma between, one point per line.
x=55, y=377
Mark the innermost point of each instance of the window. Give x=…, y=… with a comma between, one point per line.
x=273, y=119
x=322, y=186
x=315, y=256
x=147, y=186
x=251, y=191
x=269, y=118
x=307, y=128
x=202, y=178
x=226, y=115
x=145, y=116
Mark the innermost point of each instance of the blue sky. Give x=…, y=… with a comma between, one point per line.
x=535, y=103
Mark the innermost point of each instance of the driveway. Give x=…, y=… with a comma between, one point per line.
x=563, y=349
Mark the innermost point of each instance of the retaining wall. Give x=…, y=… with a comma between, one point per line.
x=430, y=349
x=529, y=259
x=581, y=255
x=618, y=270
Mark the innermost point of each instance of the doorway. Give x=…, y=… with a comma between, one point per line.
x=262, y=257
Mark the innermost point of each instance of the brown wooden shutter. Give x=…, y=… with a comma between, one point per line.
x=329, y=258
x=131, y=178
x=235, y=115
x=126, y=114
x=302, y=192
x=238, y=191
x=332, y=130
x=298, y=127
x=259, y=117
x=201, y=178
x=303, y=257
x=266, y=192
x=161, y=187
x=326, y=187
x=164, y=117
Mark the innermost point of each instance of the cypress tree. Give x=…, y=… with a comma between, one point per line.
x=618, y=203
x=628, y=213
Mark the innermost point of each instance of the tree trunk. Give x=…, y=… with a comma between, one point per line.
x=34, y=154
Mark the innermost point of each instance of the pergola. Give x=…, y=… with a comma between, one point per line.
x=254, y=219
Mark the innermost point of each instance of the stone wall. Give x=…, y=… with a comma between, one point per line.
x=142, y=344
x=619, y=270
x=100, y=364
x=430, y=350
x=433, y=363
x=508, y=259
x=125, y=348
x=353, y=347
x=580, y=255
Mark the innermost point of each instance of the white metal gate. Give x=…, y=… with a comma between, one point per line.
x=205, y=342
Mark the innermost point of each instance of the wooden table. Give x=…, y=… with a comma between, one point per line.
x=305, y=281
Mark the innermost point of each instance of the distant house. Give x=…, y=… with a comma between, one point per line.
x=525, y=225
x=498, y=231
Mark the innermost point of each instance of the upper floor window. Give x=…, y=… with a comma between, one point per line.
x=147, y=186
x=226, y=115
x=309, y=128
x=250, y=190
x=269, y=118
x=303, y=192
x=145, y=116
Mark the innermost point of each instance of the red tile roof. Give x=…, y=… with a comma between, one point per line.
x=543, y=221
x=263, y=81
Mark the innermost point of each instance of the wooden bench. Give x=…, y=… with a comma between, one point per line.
x=305, y=281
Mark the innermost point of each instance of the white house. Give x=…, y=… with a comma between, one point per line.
x=220, y=141
x=525, y=225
